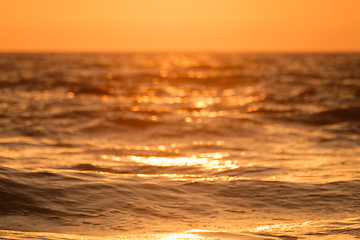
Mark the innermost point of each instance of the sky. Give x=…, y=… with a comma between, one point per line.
x=179, y=25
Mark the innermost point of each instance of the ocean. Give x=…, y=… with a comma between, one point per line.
x=179, y=146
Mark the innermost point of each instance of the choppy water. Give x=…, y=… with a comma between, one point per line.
x=180, y=146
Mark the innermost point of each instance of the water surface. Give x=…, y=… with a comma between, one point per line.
x=180, y=146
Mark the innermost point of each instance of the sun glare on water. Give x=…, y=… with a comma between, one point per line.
x=209, y=161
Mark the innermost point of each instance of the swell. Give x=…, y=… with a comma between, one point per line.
x=19, y=197
x=330, y=197
x=325, y=117
x=90, y=194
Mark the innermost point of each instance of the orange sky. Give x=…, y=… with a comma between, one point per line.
x=180, y=25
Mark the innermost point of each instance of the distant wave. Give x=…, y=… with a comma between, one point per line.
x=326, y=117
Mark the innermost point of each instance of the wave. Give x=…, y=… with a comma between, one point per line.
x=34, y=191
x=326, y=117
x=83, y=196
x=135, y=123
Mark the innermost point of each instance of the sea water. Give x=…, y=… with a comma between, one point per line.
x=179, y=146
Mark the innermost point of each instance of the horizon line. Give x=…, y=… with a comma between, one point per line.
x=183, y=51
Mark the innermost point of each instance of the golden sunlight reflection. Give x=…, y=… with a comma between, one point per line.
x=173, y=146
x=208, y=160
x=193, y=177
x=200, y=100
x=279, y=227
x=217, y=160
x=181, y=236
x=188, y=235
